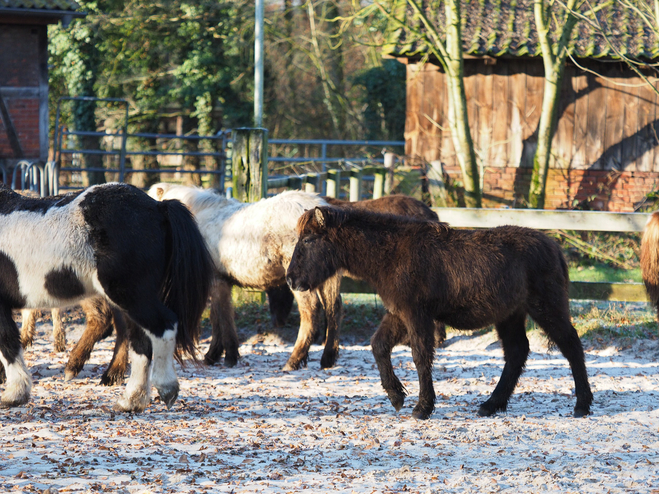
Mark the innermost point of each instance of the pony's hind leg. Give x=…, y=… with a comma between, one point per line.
x=512, y=333
x=330, y=297
x=116, y=370
x=28, y=326
x=280, y=302
x=59, y=333
x=421, y=332
x=224, y=338
x=309, y=307
x=557, y=326
x=390, y=333
x=19, y=383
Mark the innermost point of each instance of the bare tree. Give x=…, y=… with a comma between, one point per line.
x=448, y=52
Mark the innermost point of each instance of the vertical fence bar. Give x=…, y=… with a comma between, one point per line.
x=333, y=183
x=311, y=183
x=389, y=159
x=355, y=185
x=378, y=182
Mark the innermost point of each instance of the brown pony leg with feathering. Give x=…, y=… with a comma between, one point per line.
x=99, y=326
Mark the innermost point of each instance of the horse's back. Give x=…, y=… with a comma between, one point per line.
x=46, y=258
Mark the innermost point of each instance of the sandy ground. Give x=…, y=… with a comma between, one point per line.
x=254, y=428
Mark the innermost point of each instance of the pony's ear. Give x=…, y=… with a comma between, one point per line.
x=159, y=193
x=319, y=215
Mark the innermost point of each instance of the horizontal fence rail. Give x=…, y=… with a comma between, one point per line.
x=547, y=220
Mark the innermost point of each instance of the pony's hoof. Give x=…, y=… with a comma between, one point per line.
x=396, y=399
x=10, y=403
x=135, y=403
x=421, y=413
x=293, y=365
x=111, y=379
x=230, y=361
x=60, y=347
x=168, y=394
x=488, y=409
x=69, y=374
x=290, y=366
x=327, y=361
x=17, y=394
x=581, y=412
x=210, y=360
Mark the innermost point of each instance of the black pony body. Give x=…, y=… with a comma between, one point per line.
x=427, y=272
x=147, y=258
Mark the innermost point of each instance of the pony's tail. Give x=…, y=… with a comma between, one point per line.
x=188, y=276
x=650, y=258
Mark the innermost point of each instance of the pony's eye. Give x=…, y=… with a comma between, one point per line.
x=307, y=240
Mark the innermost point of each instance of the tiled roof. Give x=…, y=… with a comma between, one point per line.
x=507, y=27
x=36, y=5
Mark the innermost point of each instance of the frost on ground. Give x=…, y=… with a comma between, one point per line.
x=254, y=428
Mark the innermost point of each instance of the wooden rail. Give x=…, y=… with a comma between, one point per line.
x=488, y=218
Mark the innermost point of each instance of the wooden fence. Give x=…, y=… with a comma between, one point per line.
x=465, y=218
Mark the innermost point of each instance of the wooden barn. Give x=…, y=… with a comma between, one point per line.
x=606, y=149
x=24, y=76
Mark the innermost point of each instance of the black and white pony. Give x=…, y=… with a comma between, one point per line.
x=146, y=257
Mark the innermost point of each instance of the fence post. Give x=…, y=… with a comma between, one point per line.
x=389, y=159
x=249, y=164
x=311, y=183
x=436, y=186
x=355, y=185
x=378, y=182
x=333, y=183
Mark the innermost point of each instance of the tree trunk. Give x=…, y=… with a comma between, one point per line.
x=546, y=130
x=462, y=141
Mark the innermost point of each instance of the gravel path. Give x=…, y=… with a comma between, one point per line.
x=256, y=429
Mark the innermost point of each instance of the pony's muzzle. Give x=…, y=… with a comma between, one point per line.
x=297, y=285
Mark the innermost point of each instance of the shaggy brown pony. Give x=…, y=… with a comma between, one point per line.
x=650, y=259
x=281, y=298
x=425, y=271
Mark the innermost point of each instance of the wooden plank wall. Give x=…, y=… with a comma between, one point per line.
x=605, y=123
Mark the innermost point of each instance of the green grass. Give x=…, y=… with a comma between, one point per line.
x=602, y=272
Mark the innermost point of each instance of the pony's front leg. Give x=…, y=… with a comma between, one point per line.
x=19, y=383
x=138, y=389
x=309, y=307
x=330, y=296
x=390, y=333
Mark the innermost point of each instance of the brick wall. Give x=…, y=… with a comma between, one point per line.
x=599, y=190
x=24, y=114
x=21, y=83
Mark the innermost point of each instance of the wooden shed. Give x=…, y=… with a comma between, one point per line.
x=24, y=76
x=605, y=152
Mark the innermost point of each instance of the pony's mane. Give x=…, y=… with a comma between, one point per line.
x=355, y=217
x=195, y=198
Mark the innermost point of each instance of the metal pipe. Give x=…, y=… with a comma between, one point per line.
x=258, y=64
